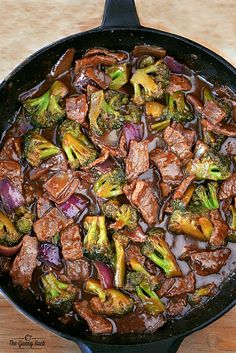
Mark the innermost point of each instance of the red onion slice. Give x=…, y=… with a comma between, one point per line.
x=132, y=131
x=49, y=254
x=10, y=195
x=74, y=205
x=105, y=274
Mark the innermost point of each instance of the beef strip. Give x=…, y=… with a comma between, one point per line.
x=220, y=231
x=140, y=194
x=183, y=187
x=196, y=103
x=51, y=223
x=78, y=270
x=71, y=243
x=213, y=112
x=220, y=128
x=98, y=324
x=206, y=262
x=137, y=161
x=154, y=270
x=165, y=189
x=133, y=251
x=137, y=235
x=228, y=187
x=12, y=170
x=11, y=149
x=180, y=141
x=104, y=155
x=178, y=83
x=77, y=108
x=61, y=186
x=43, y=205
x=95, y=51
x=176, y=305
x=51, y=165
x=25, y=262
x=177, y=286
x=98, y=76
x=95, y=60
x=169, y=166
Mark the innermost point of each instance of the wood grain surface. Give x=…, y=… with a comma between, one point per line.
x=27, y=25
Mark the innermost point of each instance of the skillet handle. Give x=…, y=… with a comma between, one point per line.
x=120, y=14
x=168, y=346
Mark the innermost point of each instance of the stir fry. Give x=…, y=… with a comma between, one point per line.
x=118, y=190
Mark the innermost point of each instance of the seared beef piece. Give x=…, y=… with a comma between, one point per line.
x=61, y=186
x=25, y=262
x=177, y=286
x=220, y=128
x=91, y=89
x=140, y=194
x=43, y=205
x=114, y=151
x=183, y=187
x=78, y=270
x=137, y=161
x=165, y=189
x=92, y=61
x=136, y=235
x=180, y=141
x=196, y=103
x=95, y=51
x=228, y=187
x=178, y=83
x=77, y=108
x=228, y=147
x=154, y=270
x=71, y=243
x=176, y=305
x=104, y=155
x=206, y=262
x=152, y=50
x=213, y=112
x=220, y=231
x=133, y=251
x=168, y=165
x=53, y=222
x=98, y=76
x=98, y=324
x=11, y=169
x=55, y=164
x=11, y=149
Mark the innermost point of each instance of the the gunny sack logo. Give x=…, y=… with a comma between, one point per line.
x=27, y=342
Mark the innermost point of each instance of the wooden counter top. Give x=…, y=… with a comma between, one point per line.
x=26, y=26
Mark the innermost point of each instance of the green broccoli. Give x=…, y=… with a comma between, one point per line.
x=204, y=291
x=150, y=82
x=110, y=184
x=150, y=280
x=59, y=296
x=24, y=220
x=157, y=250
x=232, y=231
x=160, y=125
x=79, y=150
x=119, y=75
x=209, y=165
x=207, y=196
x=45, y=110
x=177, y=109
x=110, y=302
x=212, y=140
x=150, y=299
x=37, y=148
x=120, y=241
x=8, y=234
x=96, y=243
x=124, y=215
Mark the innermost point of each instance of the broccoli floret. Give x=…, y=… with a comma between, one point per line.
x=120, y=241
x=154, y=109
x=150, y=82
x=96, y=243
x=96, y=103
x=124, y=215
x=232, y=231
x=119, y=75
x=110, y=302
x=45, y=110
x=157, y=250
x=192, y=221
x=212, y=140
x=207, y=196
x=150, y=299
x=177, y=109
x=79, y=150
x=8, y=234
x=211, y=166
x=146, y=278
x=204, y=291
x=160, y=125
x=37, y=148
x=110, y=184
x=59, y=296
x=24, y=220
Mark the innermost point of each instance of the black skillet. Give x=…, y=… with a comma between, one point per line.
x=120, y=29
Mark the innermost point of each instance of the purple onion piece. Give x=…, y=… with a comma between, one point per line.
x=74, y=205
x=174, y=65
x=10, y=195
x=105, y=274
x=49, y=254
x=105, y=166
x=132, y=131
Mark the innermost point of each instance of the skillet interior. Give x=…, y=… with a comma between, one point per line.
x=31, y=72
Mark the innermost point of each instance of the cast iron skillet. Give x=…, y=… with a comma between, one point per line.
x=120, y=29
